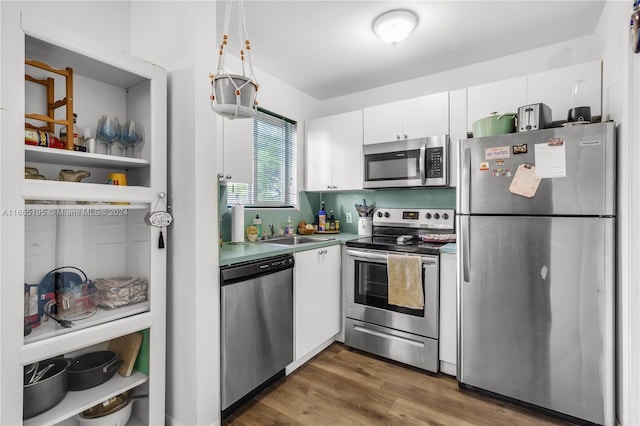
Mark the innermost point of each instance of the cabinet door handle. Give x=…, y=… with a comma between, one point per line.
x=398, y=137
x=228, y=177
x=328, y=186
x=405, y=136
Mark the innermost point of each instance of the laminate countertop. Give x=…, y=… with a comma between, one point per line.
x=247, y=251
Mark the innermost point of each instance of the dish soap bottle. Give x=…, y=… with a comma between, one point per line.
x=257, y=222
x=288, y=229
x=322, y=219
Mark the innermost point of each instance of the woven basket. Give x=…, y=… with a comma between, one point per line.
x=303, y=231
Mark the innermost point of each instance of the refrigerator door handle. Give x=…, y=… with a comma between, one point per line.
x=465, y=179
x=466, y=236
x=422, y=162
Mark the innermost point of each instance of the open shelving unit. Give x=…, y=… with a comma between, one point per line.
x=98, y=227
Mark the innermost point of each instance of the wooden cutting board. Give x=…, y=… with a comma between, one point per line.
x=126, y=348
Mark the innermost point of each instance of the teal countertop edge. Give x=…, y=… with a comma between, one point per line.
x=237, y=253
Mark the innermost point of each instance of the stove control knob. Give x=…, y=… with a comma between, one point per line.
x=379, y=214
x=445, y=216
x=436, y=216
x=386, y=214
x=428, y=216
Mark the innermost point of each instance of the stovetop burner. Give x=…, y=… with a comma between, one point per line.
x=389, y=244
x=389, y=224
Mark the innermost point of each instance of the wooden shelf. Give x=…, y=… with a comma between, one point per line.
x=76, y=402
x=39, y=154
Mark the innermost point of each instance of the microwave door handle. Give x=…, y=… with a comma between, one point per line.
x=422, y=162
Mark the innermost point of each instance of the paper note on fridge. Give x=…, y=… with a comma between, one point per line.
x=525, y=182
x=550, y=160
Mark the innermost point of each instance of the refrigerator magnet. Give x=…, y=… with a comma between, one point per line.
x=484, y=166
x=519, y=149
x=497, y=153
x=525, y=182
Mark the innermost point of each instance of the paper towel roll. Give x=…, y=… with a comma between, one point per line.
x=237, y=224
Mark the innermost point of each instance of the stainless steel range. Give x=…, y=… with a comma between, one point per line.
x=375, y=322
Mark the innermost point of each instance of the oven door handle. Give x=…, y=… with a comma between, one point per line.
x=366, y=255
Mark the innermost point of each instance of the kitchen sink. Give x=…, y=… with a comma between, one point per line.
x=293, y=241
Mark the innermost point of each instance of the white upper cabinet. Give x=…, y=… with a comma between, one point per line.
x=346, y=151
x=408, y=119
x=383, y=123
x=318, y=152
x=334, y=152
x=426, y=116
x=503, y=96
x=237, y=163
x=555, y=88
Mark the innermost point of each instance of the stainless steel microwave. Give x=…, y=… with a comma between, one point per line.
x=407, y=163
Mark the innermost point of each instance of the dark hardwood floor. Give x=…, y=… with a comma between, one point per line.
x=347, y=387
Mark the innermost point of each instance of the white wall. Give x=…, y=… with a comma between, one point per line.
x=611, y=40
x=103, y=20
x=180, y=36
x=558, y=55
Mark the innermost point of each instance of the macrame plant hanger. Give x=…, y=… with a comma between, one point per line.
x=234, y=96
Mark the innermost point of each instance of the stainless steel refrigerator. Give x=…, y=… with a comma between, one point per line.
x=536, y=268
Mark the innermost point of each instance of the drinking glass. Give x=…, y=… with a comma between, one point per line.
x=108, y=131
x=132, y=134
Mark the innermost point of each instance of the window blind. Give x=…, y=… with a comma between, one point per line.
x=274, y=164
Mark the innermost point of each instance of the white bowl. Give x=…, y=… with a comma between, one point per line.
x=119, y=418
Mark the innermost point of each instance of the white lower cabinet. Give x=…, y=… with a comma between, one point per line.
x=316, y=294
x=448, y=343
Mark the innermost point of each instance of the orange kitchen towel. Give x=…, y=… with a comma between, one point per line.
x=405, y=281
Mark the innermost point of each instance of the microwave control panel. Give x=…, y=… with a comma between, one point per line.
x=435, y=163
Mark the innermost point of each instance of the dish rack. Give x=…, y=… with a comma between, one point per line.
x=116, y=292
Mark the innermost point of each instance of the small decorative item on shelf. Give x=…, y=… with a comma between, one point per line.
x=117, y=292
x=67, y=175
x=33, y=173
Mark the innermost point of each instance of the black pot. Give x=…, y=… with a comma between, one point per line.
x=92, y=369
x=48, y=391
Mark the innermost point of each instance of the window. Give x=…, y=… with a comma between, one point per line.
x=274, y=164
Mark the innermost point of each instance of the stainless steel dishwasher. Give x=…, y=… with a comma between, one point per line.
x=256, y=327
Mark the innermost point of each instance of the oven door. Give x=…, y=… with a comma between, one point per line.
x=366, y=290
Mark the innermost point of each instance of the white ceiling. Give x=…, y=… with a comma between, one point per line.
x=328, y=49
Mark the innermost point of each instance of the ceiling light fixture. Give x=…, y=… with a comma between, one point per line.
x=394, y=26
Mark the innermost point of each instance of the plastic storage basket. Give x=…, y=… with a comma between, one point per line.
x=117, y=292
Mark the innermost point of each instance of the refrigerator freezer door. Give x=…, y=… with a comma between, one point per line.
x=536, y=311
x=581, y=159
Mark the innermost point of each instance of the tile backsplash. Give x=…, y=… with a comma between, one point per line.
x=341, y=203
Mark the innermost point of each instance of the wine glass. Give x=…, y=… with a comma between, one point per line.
x=108, y=131
x=132, y=134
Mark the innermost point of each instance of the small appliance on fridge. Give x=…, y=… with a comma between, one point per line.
x=536, y=271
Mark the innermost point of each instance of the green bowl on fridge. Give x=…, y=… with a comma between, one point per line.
x=495, y=124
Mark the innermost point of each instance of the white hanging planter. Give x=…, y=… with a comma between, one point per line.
x=235, y=96
x=232, y=95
